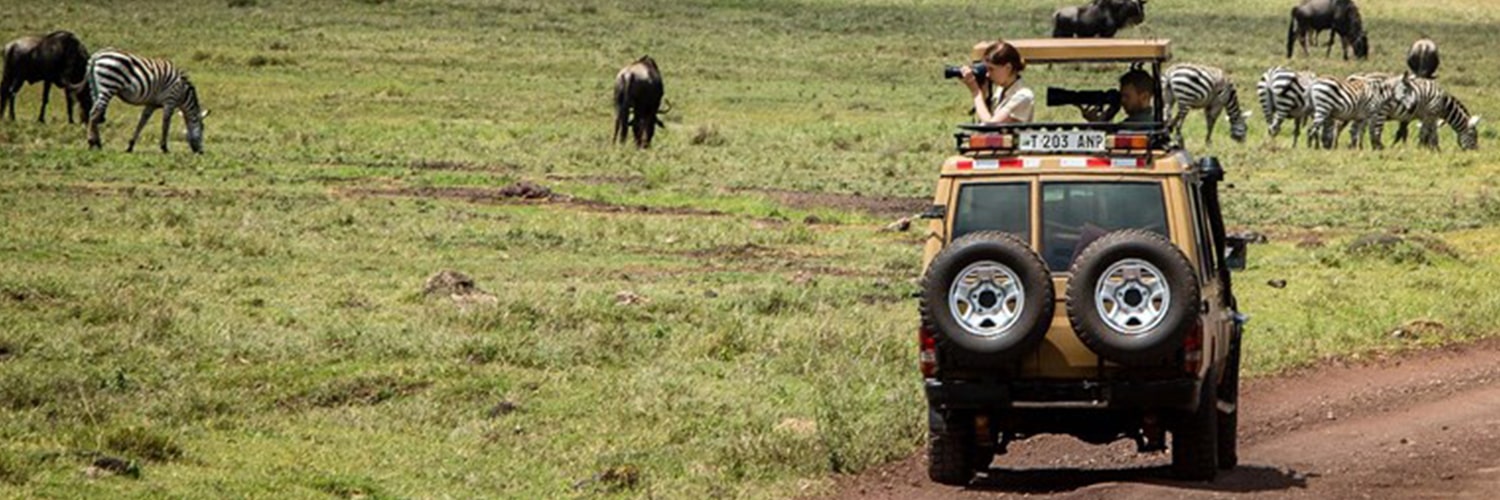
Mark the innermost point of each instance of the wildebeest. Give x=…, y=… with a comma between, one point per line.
x=57, y=58
x=638, y=98
x=1423, y=58
x=1341, y=16
x=1100, y=18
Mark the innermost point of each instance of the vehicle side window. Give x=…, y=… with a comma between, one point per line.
x=1074, y=214
x=994, y=207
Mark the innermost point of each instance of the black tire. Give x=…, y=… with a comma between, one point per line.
x=950, y=447
x=1195, y=438
x=1149, y=347
x=1007, y=250
x=1229, y=422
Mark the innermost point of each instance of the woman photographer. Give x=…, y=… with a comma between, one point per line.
x=1004, y=64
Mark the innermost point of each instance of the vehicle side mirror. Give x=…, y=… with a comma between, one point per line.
x=1236, y=253
x=935, y=212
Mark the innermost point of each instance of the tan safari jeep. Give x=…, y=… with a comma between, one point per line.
x=1076, y=281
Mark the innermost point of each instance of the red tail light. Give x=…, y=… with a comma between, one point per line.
x=1131, y=142
x=1192, y=348
x=990, y=141
x=927, y=356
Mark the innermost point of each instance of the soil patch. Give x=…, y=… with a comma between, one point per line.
x=126, y=191
x=597, y=179
x=520, y=193
x=883, y=206
x=462, y=166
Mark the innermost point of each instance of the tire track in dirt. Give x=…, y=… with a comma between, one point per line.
x=1418, y=425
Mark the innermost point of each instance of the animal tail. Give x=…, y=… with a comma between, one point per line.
x=622, y=107
x=90, y=79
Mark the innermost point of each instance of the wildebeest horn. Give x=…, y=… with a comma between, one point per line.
x=666, y=107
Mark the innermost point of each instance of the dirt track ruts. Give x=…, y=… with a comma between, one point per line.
x=1418, y=425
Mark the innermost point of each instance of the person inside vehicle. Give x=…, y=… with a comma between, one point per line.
x=1136, y=91
x=1015, y=101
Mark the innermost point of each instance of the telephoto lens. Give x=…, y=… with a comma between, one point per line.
x=980, y=71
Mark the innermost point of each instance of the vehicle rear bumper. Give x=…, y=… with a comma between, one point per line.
x=995, y=395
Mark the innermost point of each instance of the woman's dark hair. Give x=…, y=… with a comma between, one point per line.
x=1002, y=53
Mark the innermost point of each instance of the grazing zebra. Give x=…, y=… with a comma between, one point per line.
x=1434, y=106
x=1393, y=105
x=1283, y=94
x=1423, y=58
x=1357, y=101
x=152, y=83
x=1192, y=86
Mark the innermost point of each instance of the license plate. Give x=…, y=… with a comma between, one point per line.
x=1067, y=140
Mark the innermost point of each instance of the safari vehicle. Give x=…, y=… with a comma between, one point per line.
x=1076, y=281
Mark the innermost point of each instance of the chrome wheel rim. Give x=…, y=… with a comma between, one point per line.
x=986, y=298
x=1132, y=296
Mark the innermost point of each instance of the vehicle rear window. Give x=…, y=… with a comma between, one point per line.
x=994, y=207
x=1075, y=213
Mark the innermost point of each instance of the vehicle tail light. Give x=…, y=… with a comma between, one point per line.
x=1192, y=348
x=990, y=142
x=927, y=356
x=1129, y=141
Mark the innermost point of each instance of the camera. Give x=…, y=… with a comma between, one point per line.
x=1065, y=97
x=980, y=71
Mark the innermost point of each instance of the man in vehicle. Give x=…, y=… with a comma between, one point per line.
x=1136, y=90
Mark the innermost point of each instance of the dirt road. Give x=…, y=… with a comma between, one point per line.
x=1422, y=425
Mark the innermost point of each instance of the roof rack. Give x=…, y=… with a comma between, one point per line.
x=1052, y=50
x=1003, y=138
x=1143, y=127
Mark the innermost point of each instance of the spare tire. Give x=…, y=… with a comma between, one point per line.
x=1132, y=297
x=988, y=293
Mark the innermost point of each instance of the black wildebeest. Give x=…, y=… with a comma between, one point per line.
x=638, y=98
x=1423, y=58
x=58, y=58
x=1100, y=18
x=1342, y=16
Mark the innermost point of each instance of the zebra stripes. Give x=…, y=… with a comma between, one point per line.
x=151, y=83
x=1191, y=86
x=1432, y=106
x=1283, y=94
x=1358, y=101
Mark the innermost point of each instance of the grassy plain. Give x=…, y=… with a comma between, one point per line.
x=249, y=322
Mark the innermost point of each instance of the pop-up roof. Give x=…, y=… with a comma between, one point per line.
x=1049, y=50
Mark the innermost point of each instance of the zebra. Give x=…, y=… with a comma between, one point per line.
x=1193, y=86
x=152, y=83
x=1283, y=94
x=1400, y=106
x=1423, y=59
x=1339, y=103
x=1433, y=106
x=1390, y=105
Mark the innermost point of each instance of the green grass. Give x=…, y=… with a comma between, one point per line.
x=250, y=322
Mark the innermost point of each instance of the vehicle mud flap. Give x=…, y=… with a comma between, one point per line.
x=988, y=293
x=1195, y=450
x=1132, y=297
x=1228, y=406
